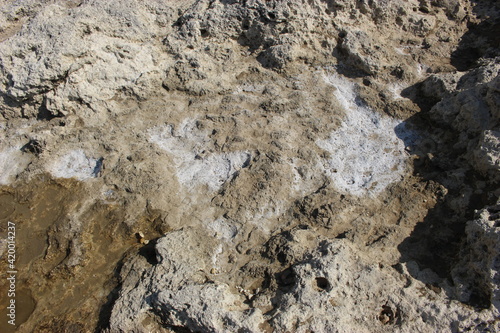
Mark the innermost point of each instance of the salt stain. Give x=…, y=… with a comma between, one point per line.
x=195, y=166
x=402, y=50
x=12, y=163
x=396, y=90
x=366, y=155
x=75, y=164
x=223, y=229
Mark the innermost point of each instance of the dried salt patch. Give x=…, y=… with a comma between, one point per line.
x=194, y=166
x=401, y=50
x=180, y=140
x=215, y=256
x=75, y=164
x=366, y=155
x=421, y=69
x=396, y=90
x=223, y=229
x=212, y=170
x=12, y=163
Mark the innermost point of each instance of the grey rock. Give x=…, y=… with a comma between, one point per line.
x=333, y=288
x=219, y=122
x=476, y=274
x=360, y=51
x=487, y=155
x=438, y=86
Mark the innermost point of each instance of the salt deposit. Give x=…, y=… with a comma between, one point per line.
x=255, y=177
x=12, y=163
x=75, y=164
x=195, y=164
x=366, y=155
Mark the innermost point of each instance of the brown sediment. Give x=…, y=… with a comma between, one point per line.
x=50, y=286
x=251, y=165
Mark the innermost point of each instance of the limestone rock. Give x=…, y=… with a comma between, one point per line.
x=439, y=86
x=254, y=166
x=476, y=273
x=324, y=290
x=486, y=156
x=361, y=51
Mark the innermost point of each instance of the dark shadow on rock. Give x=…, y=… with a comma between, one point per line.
x=350, y=71
x=346, y=66
x=9, y=101
x=436, y=241
x=45, y=114
x=425, y=103
x=107, y=308
x=148, y=251
x=286, y=279
x=481, y=40
x=33, y=146
x=179, y=329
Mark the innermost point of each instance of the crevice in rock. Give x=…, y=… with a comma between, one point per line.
x=148, y=251
x=107, y=307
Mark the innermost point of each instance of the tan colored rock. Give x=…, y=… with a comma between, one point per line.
x=295, y=165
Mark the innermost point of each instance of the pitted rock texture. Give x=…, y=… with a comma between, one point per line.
x=253, y=166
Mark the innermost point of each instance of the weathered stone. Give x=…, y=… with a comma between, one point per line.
x=256, y=166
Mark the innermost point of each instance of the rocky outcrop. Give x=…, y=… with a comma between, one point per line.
x=476, y=274
x=257, y=166
x=331, y=287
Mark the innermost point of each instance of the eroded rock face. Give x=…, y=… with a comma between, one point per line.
x=330, y=286
x=257, y=166
x=479, y=260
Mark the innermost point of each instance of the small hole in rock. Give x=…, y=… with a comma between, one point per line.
x=341, y=235
x=33, y=146
x=322, y=283
x=285, y=279
x=281, y=257
x=387, y=315
x=204, y=33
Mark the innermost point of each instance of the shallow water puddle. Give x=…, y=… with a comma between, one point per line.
x=42, y=211
x=12, y=210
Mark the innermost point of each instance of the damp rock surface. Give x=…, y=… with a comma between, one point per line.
x=253, y=166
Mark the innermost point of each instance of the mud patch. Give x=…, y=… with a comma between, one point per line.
x=25, y=305
x=50, y=256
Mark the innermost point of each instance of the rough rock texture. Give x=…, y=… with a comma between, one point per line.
x=252, y=166
x=480, y=259
x=328, y=280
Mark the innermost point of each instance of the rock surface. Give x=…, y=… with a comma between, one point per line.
x=253, y=166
